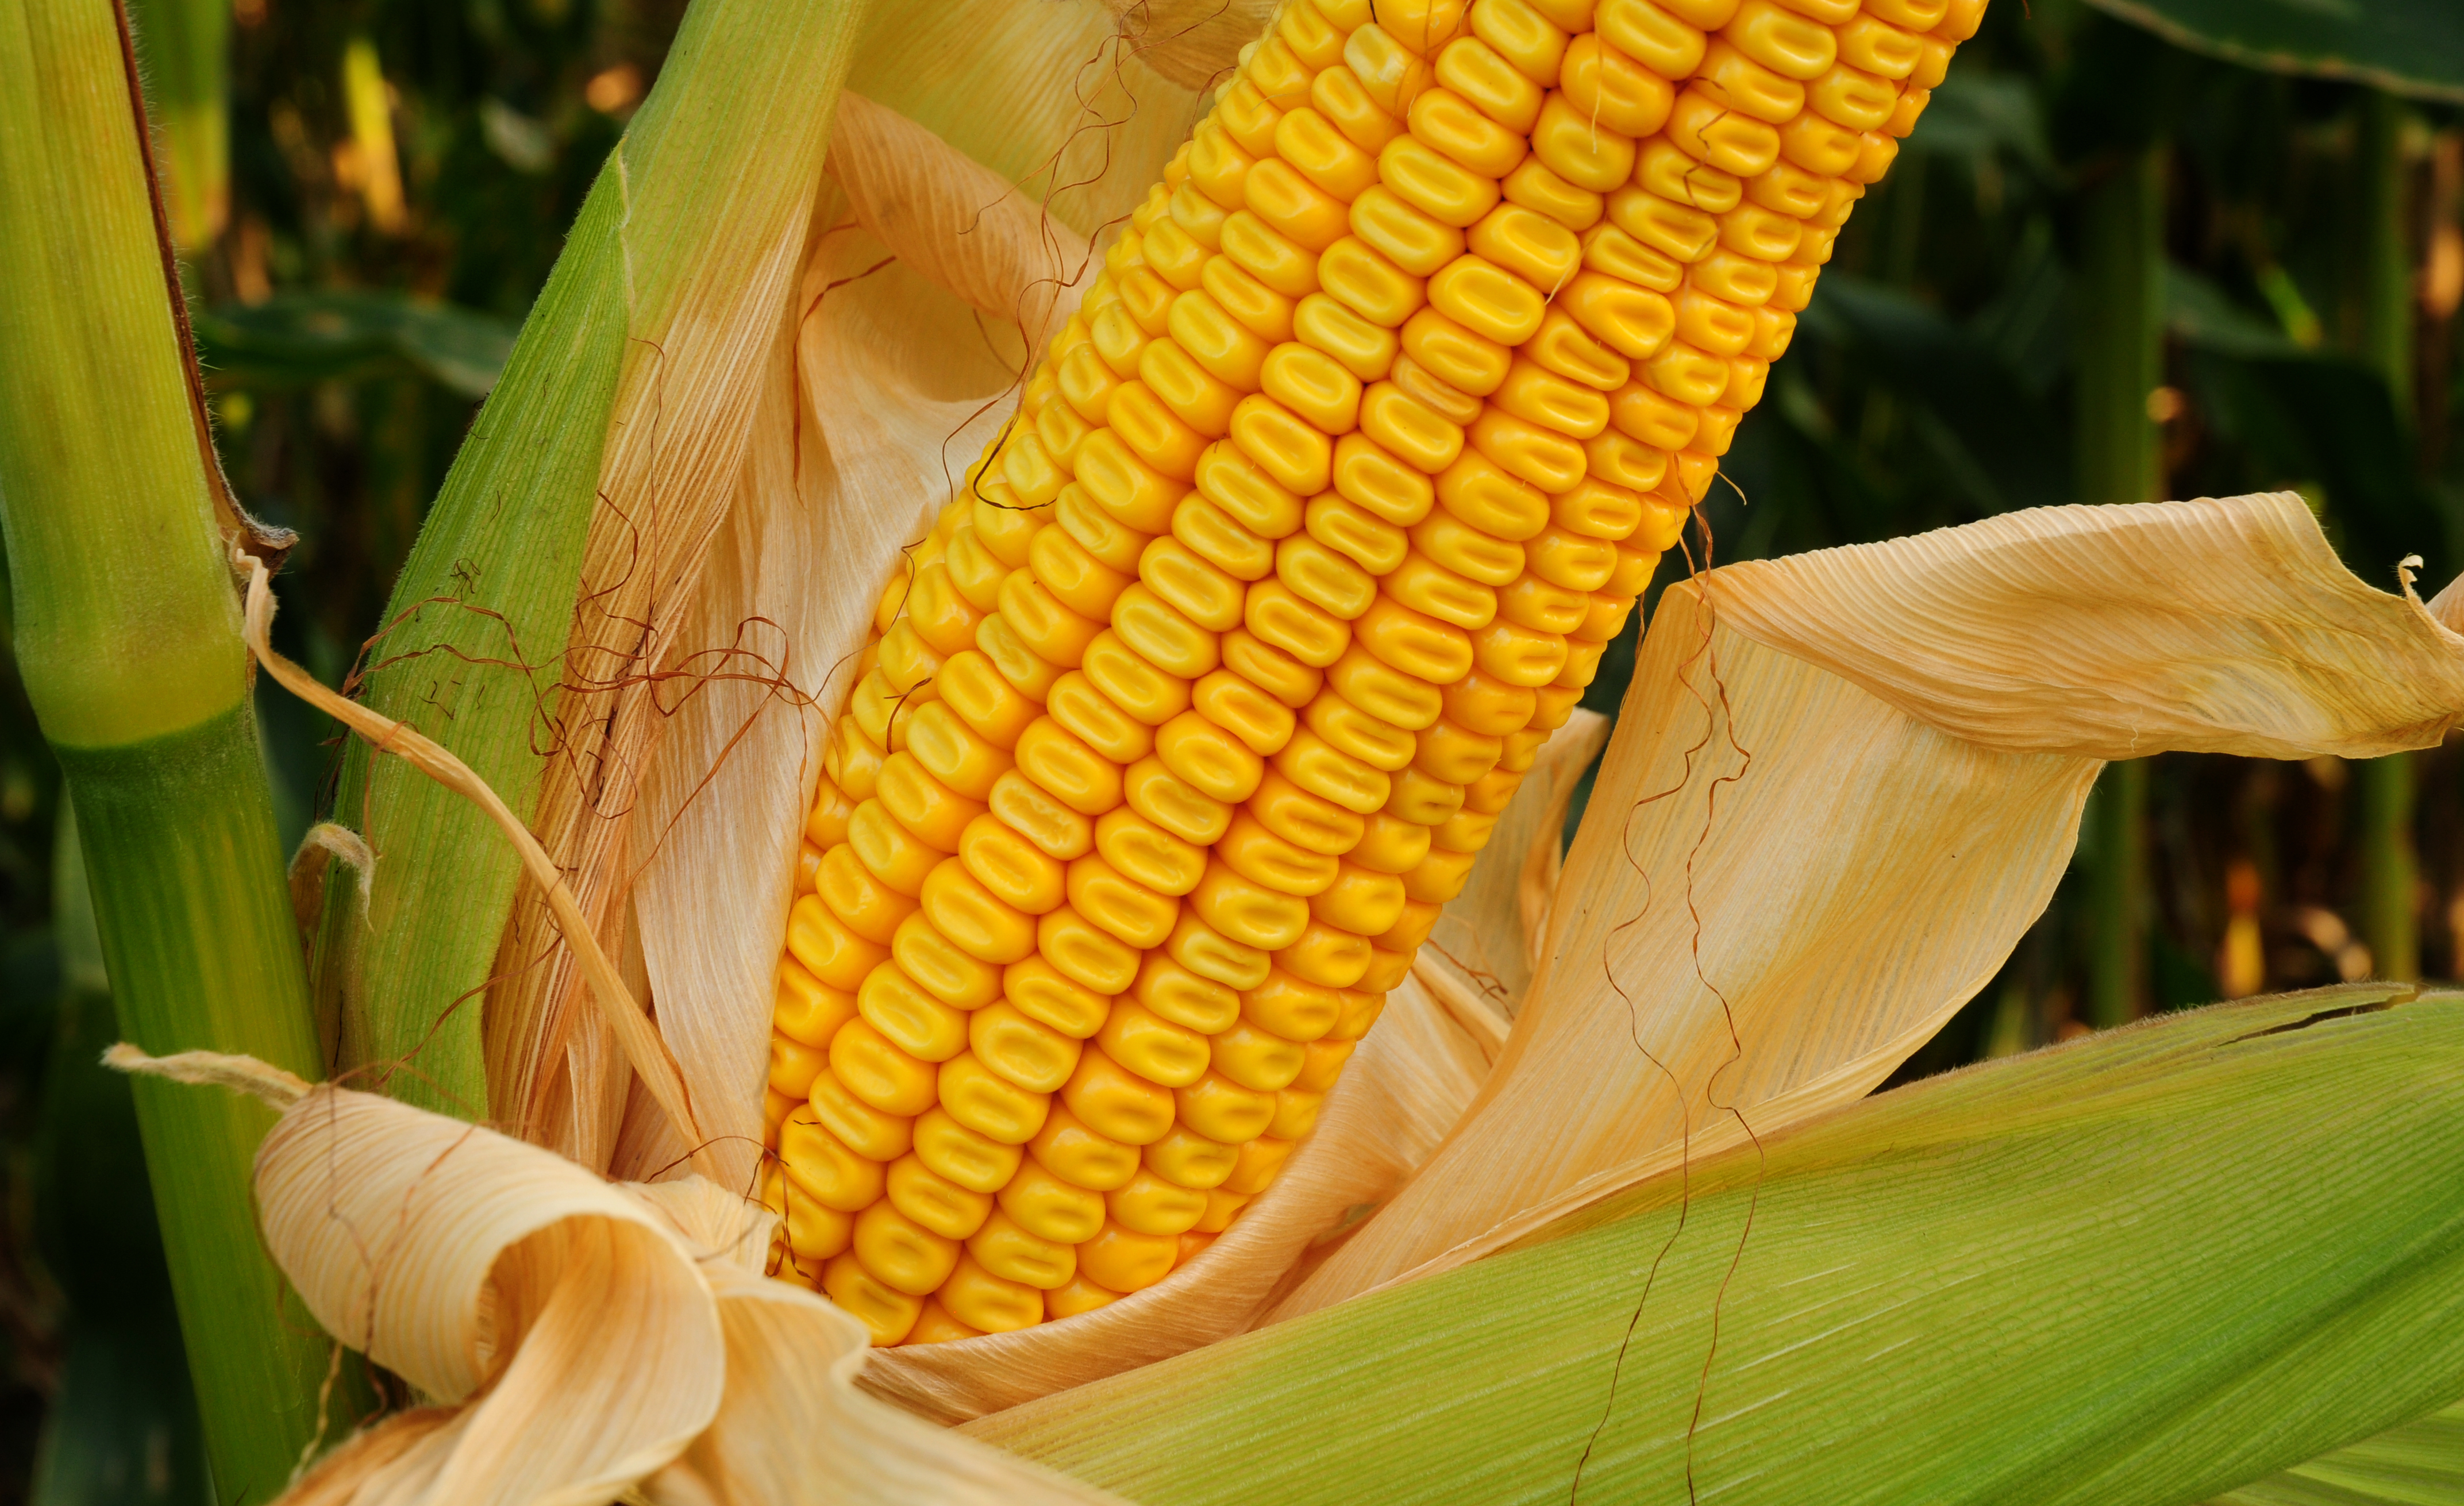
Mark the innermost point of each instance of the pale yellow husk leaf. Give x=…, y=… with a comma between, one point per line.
x=1482, y=954
x=1792, y=874
x=577, y=1340
x=677, y=443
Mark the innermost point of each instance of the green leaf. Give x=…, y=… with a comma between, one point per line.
x=473, y=649
x=184, y=50
x=2143, y=1267
x=1995, y=438
x=296, y=337
x=2410, y=46
x=2419, y=1464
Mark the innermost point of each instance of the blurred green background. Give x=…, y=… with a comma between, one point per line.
x=2167, y=247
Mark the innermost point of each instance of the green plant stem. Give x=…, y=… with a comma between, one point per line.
x=2117, y=896
x=2119, y=361
x=2381, y=334
x=202, y=952
x=128, y=637
x=123, y=1424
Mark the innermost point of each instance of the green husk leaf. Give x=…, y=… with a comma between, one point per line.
x=2419, y=1464
x=472, y=653
x=2147, y=1266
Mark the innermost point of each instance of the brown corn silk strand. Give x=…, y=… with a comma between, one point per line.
x=1205, y=689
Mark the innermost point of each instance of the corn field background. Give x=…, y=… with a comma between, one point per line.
x=401, y=179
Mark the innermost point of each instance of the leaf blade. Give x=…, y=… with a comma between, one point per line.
x=1896, y=1231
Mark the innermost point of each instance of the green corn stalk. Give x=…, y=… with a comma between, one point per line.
x=2119, y=361
x=2381, y=334
x=127, y=635
x=123, y=1424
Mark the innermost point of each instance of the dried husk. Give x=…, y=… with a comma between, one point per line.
x=1483, y=952
x=1816, y=865
x=576, y=1339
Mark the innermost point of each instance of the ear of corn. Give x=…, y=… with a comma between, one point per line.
x=1202, y=695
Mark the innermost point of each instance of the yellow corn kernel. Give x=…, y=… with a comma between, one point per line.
x=935, y=1326
x=1190, y=777
x=1255, y=1058
x=1079, y=1295
x=1120, y=1259
x=1289, y=1009
x=1221, y=1208
x=901, y=1253
x=1495, y=86
x=961, y=1155
x=991, y=1105
x=1116, y=1103
x=963, y=909
x=813, y=1232
x=1022, y=1050
x=1152, y=1047
x=1258, y=1163
x=1190, y=1160
x=878, y=1072
x=808, y=1010
x=1602, y=83
x=1182, y=996
x=1149, y=1204
x=1046, y=1206
x=1080, y=1156
x=1003, y=1249
x=910, y=1017
x=856, y=1123
x=1361, y=901
x=1221, y=1109
x=931, y=1201
x=950, y=976
x=823, y=1168
x=887, y=1314
x=984, y=1301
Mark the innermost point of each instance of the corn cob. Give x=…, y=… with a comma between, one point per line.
x=1205, y=690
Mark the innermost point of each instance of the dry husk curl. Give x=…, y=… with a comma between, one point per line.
x=1841, y=787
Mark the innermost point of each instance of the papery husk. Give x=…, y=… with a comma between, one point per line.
x=1190, y=41
x=1482, y=954
x=578, y=1338
x=1809, y=879
x=673, y=458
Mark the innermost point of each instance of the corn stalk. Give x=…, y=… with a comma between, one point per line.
x=2119, y=361
x=2381, y=333
x=127, y=634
